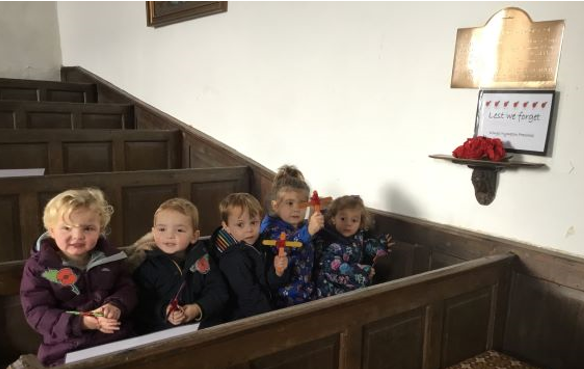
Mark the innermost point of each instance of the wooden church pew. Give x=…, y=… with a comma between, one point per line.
x=426, y=321
x=68, y=151
x=52, y=115
x=134, y=196
x=33, y=90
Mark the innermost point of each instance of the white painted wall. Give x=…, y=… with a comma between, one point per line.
x=356, y=94
x=29, y=40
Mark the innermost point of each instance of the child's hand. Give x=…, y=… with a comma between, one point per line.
x=192, y=312
x=110, y=311
x=388, y=242
x=371, y=273
x=316, y=223
x=177, y=316
x=280, y=264
x=101, y=324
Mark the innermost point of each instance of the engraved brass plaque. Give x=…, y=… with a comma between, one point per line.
x=510, y=51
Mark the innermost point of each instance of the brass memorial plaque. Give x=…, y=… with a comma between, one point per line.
x=509, y=51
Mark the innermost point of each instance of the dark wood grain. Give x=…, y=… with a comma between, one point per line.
x=34, y=90
x=52, y=115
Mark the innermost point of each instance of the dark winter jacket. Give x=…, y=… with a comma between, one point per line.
x=300, y=287
x=250, y=273
x=50, y=287
x=159, y=279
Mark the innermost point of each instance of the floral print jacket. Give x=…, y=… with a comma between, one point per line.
x=344, y=263
x=300, y=287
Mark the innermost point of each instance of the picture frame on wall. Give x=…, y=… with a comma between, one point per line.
x=164, y=13
x=521, y=119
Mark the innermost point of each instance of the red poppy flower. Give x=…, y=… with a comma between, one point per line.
x=202, y=265
x=66, y=277
x=481, y=147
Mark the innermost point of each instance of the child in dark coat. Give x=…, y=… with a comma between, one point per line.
x=75, y=289
x=253, y=272
x=178, y=283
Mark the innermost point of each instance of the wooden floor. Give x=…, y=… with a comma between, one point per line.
x=492, y=360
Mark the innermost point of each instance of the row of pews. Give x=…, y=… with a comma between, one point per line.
x=450, y=296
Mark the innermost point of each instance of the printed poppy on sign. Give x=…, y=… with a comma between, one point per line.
x=64, y=277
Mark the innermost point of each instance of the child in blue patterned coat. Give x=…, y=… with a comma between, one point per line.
x=289, y=191
x=346, y=254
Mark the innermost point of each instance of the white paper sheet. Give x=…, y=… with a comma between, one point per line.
x=4, y=173
x=130, y=343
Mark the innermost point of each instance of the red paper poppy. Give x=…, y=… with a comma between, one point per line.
x=480, y=148
x=66, y=277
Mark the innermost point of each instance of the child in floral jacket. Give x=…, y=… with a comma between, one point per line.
x=76, y=290
x=346, y=254
x=177, y=282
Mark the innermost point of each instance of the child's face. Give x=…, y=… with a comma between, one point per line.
x=347, y=221
x=173, y=231
x=78, y=235
x=287, y=206
x=242, y=227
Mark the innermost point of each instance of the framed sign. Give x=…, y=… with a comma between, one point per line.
x=521, y=119
x=163, y=13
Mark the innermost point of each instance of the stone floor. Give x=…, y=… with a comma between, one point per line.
x=492, y=360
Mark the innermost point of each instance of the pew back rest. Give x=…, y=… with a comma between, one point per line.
x=67, y=151
x=134, y=196
x=53, y=115
x=33, y=90
x=430, y=320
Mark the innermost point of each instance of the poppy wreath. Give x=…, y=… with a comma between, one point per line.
x=481, y=147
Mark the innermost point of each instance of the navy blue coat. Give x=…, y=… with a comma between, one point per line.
x=159, y=279
x=250, y=274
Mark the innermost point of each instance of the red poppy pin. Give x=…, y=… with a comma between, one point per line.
x=202, y=265
x=64, y=277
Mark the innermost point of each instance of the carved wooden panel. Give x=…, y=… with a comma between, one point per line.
x=395, y=342
x=65, y=96
x=208, y=195
x=141, y=155
x=140, y=203
x=51, y=120
x=22, y=337
x=134, y=196
x=87, y=157
x=15, y=93
x=317, y=354
x=7, y=120
x=50, y=115
x=9, y=228
x=70, y=151
x=440, y=260
x=106, y=120
x=545, y=323
x=34, y=90
x=466, y=326
x=23, y=155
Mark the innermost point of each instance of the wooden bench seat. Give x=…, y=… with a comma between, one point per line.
x=429, y=320
x=67, y=151
x=53, y=115
x=134, y=195
x=34, y=90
